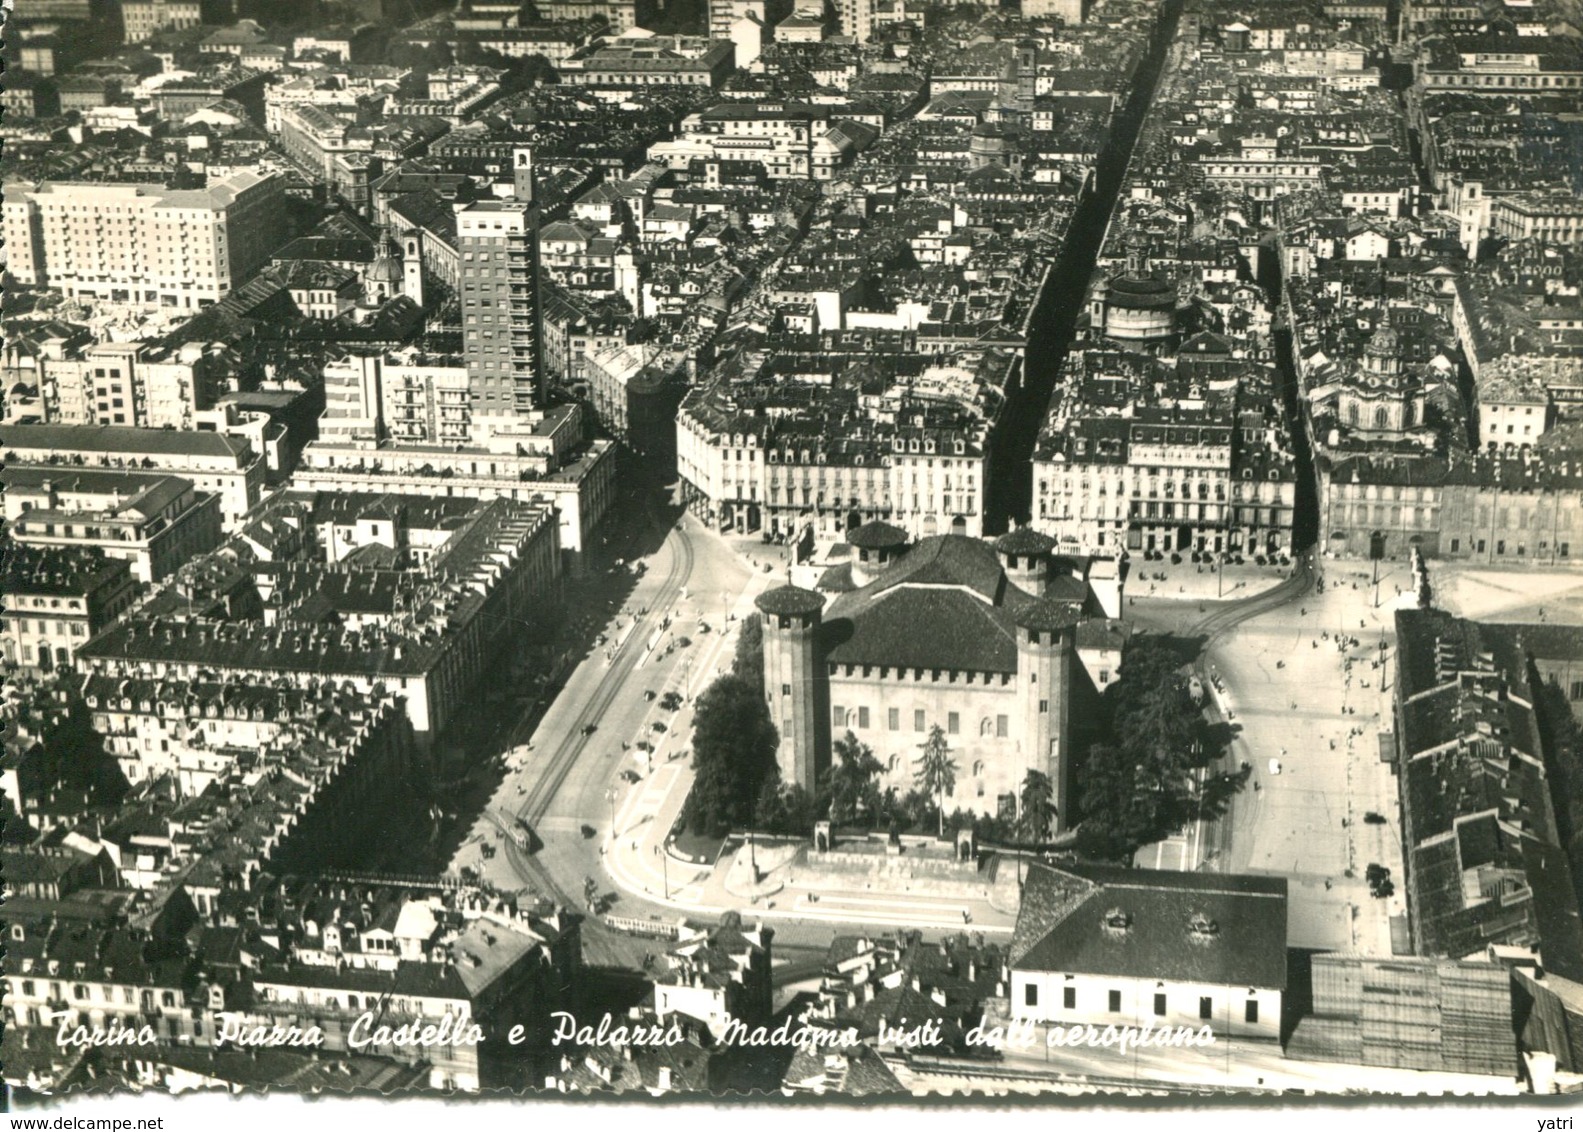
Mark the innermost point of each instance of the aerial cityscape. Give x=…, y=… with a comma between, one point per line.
x=827, y=547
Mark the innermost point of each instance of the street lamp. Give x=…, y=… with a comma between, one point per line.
x=665, y=865
x=610, y=796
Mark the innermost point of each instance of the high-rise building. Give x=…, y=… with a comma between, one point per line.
x=144, y=244
x=857, y=19
x=498, y=241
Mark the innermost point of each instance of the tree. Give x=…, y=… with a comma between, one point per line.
x=936, y=773
x=1038, y=809
x=1142, y=785
x=734, y=746
x=785, y=809
x=850, y=779
x=1117, y=817
x=748, y=662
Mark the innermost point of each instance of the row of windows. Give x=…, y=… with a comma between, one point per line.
x=84, y=992
x=1563, y=549
x=1137, y=488
x=858, y=719
x=1206, y=1005
x=58, y=628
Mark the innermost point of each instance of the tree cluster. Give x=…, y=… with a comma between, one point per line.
x=1143, y=783
x=748, y=662
x=849, y=795
x=1563, y=747
x=733, y=756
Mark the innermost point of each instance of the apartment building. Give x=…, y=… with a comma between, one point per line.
x=670, y=60
x=1555, y=217
x=140, y=384
x=58, y=597
x=144, y=244
x=781, y=136
x=498, y=245
x=152, y=521
x=140, y=19
x=1164, y=479
x=215, y=463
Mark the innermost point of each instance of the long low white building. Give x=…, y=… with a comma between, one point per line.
x=216, y=463
x=1106, y=946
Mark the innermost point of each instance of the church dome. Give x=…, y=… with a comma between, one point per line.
x=1142, y=293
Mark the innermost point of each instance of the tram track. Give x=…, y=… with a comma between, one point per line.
x=575, y=742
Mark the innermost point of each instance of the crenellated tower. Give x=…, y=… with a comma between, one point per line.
x=1025, y=557
x=1046, y=650
x=792, y=686
x=878, y=544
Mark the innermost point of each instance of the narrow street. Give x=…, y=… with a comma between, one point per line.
x=1053, y=323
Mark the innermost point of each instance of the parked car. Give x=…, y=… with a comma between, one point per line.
x=648, y=695
x=657, y=725
x=630, y=776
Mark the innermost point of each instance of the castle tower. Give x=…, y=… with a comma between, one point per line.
x=793, y=683
x=1046, y=645
x=878, y=545
x=1025, y=556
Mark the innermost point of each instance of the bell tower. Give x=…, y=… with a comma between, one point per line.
x=1098, y=303
x=522, y=173
x=412, y=266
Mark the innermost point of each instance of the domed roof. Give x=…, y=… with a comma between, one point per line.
x=877, y=535
x=789, y=600
x=1046, y=614
x=1384, y=342
x=1142, y=292
x=1024, y=540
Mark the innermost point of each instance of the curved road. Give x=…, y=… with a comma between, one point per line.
x=1206, y=839
x=1233, y=613
x=595, y=754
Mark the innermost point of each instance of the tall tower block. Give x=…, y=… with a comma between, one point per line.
x=791, y=680
x=499, y=245
x=1046, y=647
